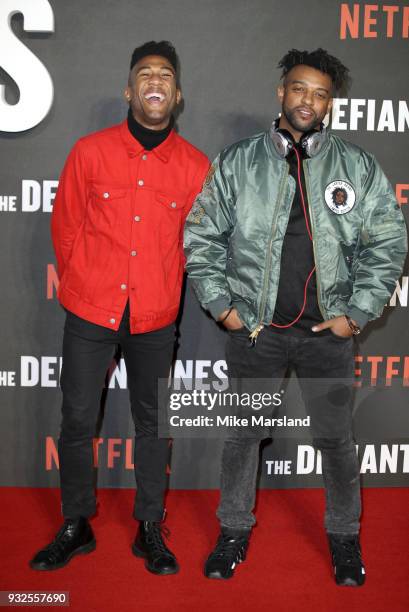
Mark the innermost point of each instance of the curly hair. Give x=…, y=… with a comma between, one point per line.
x=339, y=190
x=320, y=60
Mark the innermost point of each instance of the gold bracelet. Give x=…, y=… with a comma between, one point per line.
x=355, y=329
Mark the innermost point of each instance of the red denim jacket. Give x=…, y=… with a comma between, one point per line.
x=117, y=227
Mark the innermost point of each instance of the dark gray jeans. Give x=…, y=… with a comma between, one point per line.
x=319, y=358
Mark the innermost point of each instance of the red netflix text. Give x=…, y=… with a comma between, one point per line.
x=108, y=452
x=371, y=20
x=402, y=193
x=381, y=370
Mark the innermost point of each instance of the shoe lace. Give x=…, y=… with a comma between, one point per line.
x=227, y=546
x=155, y=537
x=346, y=551
x=56, y=548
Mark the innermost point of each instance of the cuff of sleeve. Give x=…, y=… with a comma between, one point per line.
x=218, y=306
x=358, y=315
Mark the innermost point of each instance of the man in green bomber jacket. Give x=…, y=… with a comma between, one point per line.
x=295, y=243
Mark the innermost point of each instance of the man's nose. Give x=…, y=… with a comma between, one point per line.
x=308, y=97
x=154, y=78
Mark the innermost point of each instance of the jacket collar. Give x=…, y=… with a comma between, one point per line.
x=134, y=148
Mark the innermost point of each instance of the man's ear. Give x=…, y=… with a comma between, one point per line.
x=178, y=96
x=280, y=93
x=330, y=103
x=127, y=94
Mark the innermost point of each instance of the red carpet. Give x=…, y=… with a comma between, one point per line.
x=287, y=568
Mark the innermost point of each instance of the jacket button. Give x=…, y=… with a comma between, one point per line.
x=137, y=218
x=140, y=183
x=112, y=321
x=144, y=157
x=106, y=195
x=123, y=286
x=173, y=204
x=133, y=253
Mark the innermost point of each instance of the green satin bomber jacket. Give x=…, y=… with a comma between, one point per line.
x=235, y=230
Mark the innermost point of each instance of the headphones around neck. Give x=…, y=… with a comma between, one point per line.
x=311, y=141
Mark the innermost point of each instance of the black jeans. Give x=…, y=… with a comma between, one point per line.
x=319, y=358
x=88, y=350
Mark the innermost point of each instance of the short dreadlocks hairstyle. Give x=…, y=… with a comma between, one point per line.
x=320, y=60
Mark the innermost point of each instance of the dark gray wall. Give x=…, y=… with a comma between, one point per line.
x=229, y=50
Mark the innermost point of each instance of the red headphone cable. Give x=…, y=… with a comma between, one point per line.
x=310, y=235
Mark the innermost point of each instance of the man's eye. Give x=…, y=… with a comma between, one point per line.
x=320, y=95
x=167, y=75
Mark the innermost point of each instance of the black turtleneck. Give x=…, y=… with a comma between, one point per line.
x=149, y=139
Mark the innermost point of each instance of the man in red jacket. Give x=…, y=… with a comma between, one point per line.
x=117, y=229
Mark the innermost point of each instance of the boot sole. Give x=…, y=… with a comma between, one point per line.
x=82, y=550
x=141, y=555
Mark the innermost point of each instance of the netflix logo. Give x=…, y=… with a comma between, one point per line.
x=108, y=452
x=373, y=21
x=52, y=282
x=381, y=370
x=402, y=193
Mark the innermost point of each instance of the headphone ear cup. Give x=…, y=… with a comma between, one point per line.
x=313, y=141
x=281, y=142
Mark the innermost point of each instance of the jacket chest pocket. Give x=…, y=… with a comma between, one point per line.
x=168, y=214
x=105, y=205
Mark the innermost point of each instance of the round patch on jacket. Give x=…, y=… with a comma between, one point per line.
x=340, y=197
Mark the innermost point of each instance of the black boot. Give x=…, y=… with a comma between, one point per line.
x=346, y=559
x=74, y=538
x=149, y=544
x=230, y=549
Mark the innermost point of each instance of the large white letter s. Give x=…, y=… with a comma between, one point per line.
x=31, y=76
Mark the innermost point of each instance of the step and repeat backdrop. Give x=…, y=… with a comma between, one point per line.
x=63, y=69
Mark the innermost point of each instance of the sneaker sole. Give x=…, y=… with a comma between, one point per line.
x=82, y=550
x=350, y=583
x=141, y=555
x=214, y=576
x=218, y=576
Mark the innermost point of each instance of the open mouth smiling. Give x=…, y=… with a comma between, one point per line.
x=154, y=97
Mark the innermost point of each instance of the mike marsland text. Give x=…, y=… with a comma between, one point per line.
x=256, y=420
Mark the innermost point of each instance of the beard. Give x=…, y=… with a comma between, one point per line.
x=298, y=124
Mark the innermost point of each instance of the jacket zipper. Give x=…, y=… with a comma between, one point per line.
x=254, y=334
x=317, y=275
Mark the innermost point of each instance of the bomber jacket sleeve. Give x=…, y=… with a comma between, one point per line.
x=207, y=233
x=69, y=207
x=382, y=248
x=196, y=187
